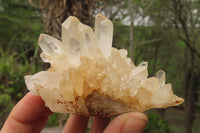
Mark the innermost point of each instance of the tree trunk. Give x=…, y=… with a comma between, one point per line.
x=193, y=80
x=190, y=106
x=56, y=12
x=131, y=28
x=187, y=75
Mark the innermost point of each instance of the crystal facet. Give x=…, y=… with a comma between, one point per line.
x=91, y=78
x=104, y=34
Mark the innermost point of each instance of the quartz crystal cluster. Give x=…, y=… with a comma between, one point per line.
x=91, y=78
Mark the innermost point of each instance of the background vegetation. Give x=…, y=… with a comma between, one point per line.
x=164, y=33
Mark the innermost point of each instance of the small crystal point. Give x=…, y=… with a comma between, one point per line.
x=44, y=57
x=162, y=96
x=49, y=45
x=104, y=34
x=143, y=63
x=161, y=77
x=140, y=72
x=53, y=52
x=123, y=53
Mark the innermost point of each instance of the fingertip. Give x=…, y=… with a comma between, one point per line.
x=30, y=96
x=74, y=121
x=99, y=124
x=133, y=122
x=139, y=115
x=27, y=114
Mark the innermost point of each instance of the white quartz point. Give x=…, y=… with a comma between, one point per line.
x=161, y=77
x=163, y=96
x=140, y=72
x=123, y=53
x=151, y=84
x=104, y=34
x=71, y=39
x=143, y=63
x=87, y=40
x=44, y=57
x=43, y=79
x=53, y=52
x=49, y=45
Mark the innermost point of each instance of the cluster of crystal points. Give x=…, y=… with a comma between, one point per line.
x=90, y=77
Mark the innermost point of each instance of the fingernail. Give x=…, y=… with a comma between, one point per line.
x=135, y=123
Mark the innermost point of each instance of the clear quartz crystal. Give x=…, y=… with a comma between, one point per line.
x=44, y=57
x=104, y=34
x=49, y=45
x=71, y=39
x=53, y=52
x=89, y=77
x=161, y=77
x=87, y=39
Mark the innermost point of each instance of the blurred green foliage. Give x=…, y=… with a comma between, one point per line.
x=19, y=29
x=53, y=120
x=156, y=124
x=6, y=105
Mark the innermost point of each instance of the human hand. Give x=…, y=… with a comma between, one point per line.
x=30, y=116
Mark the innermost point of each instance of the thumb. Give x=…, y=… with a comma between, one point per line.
x=128, y=123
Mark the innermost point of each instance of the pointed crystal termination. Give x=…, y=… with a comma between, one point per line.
x=104, y=34
x=53, y=52
x=71, y=39
x=144, y=63
x=78, y=40
x=44, y=58
x=87, y=39
x=49, y=45
x=140, y=72
x=161, y=77
x=88, y=77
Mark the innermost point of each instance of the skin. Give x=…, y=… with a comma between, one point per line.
x=30, y=116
